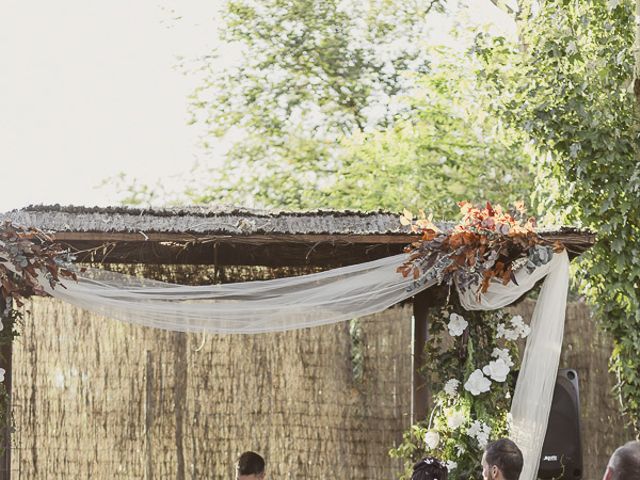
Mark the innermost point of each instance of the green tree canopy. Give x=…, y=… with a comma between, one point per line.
x=449, y=149
x=313, y=71
x=344, y=105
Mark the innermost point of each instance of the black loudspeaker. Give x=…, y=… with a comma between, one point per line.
x=561, y=457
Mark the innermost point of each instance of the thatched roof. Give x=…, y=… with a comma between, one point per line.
x=206, y=235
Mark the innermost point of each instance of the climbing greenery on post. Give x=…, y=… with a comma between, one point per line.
x=469, y=363
x=569, y=85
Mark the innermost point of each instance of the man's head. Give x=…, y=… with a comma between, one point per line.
x=250, y=466
x=502, y=460
x=624, y=464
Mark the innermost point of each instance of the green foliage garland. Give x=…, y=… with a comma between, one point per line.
x=461, y=421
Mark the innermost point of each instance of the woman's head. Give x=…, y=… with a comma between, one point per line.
x=429, y=468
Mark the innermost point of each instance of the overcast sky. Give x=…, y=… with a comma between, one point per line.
x=89, y=89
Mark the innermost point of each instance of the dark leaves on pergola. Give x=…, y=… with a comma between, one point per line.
x=28, y=256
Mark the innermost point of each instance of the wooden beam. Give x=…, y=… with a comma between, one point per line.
x=104, y=237
x=323, y=254
x=6, y=360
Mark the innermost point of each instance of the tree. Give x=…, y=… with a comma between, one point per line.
x=313, y=72
x=568, y=87
x=338, y=112
x=450, y=148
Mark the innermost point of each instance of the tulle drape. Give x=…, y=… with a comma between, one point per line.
x=536, y=381
x=243, y=308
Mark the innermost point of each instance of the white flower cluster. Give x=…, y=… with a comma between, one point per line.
x=480, y=431
x=451, y=387
x=456, y=324
x=497, y=370
x=518, y=329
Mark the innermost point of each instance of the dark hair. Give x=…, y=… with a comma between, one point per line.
x=625, y=461
x=429, y=468
x=505, y=455
x=250, y=463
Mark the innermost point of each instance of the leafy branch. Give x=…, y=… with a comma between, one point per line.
x=27, y=256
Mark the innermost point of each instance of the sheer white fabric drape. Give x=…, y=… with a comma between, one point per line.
x=333, y=296
x=250, y=307
x=536, y=381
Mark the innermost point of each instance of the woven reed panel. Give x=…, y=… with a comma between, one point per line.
x=95, y=398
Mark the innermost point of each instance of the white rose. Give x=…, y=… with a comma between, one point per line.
x=451, y=387
x=497, y=370
x=456, y=419
x=432, y=439
x=477, y=383
x=456, y=325
x=451, y=465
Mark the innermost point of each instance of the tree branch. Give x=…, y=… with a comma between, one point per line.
x=505, y=8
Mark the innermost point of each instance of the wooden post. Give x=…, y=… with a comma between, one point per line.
x=419, y=387
x=180, y=373
x=422, y=302
x=149, y=405
x=6, y=356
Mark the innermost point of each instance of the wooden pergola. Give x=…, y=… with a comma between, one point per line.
x=308, y=241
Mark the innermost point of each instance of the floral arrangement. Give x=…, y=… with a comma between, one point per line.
x=489, y=243
x=471, y=357
x=470, y=362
